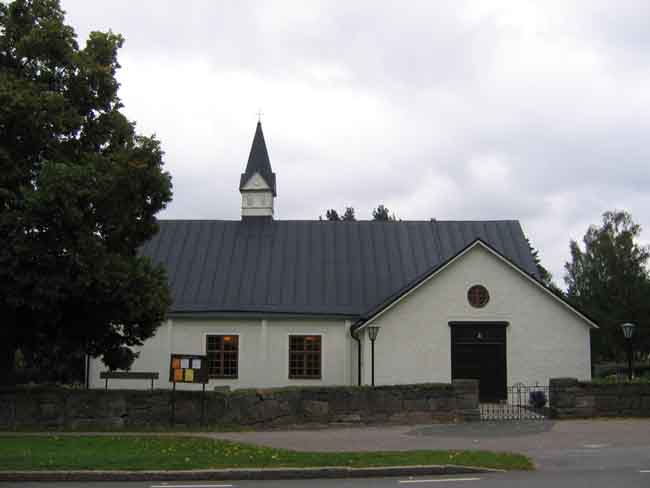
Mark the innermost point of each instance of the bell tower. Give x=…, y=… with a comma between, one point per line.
x=257, y=183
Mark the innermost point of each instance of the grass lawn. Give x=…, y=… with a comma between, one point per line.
x=170, y=453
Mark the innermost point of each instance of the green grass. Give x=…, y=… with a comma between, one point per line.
x=173, y=453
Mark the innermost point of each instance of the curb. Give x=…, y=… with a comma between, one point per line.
x=243, y=474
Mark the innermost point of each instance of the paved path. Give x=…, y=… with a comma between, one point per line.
x=553, y=445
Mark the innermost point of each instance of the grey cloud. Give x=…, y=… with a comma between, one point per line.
x=436, y=109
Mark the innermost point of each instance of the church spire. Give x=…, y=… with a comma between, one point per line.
x=258, y=162
x=257, y=182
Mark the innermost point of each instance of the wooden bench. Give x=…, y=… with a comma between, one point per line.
x=127, y=375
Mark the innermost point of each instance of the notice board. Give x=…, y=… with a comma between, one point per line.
x=188, y=368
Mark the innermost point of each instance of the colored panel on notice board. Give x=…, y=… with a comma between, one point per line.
x=178, y=375
x=176, y=364
x=189, y=375
x=185, y=363
x=196, y=364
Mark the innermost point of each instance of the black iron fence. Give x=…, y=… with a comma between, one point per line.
x=522, y=403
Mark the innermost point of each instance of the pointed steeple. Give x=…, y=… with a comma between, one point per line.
x=258, y=162
x=257, y=183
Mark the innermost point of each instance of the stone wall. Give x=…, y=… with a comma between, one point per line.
x=22, y=408
x=570, y=398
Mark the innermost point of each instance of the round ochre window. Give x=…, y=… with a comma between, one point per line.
x=478, y=296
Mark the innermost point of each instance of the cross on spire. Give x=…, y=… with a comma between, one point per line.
x=259, y=115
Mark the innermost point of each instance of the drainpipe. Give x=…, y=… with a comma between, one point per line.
x=87, y=371
x=356, y=338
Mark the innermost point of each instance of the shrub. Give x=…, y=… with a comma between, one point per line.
x=537, y=399
x=616, y=380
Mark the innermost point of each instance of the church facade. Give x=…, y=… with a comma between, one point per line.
x=275, y=303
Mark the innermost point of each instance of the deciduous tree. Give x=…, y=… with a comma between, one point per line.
x=608, y=279
x=79, y=191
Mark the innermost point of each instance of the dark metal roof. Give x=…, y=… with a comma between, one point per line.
x=313, y=267
x=258, y=161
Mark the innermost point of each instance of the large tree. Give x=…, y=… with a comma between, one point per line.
x=79, y=191
x=609, y=280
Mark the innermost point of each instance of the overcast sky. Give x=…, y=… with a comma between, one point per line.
x=537, y=111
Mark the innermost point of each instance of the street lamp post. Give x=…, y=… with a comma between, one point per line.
x=628, y=332
x=372, y=334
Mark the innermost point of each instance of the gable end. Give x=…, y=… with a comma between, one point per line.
x=412, y=287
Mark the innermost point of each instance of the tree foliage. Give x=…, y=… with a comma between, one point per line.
x=332, y=215
x=545, y=276
x=381, y=213
x=348, y=215
x=609, y=280
x=79, y=190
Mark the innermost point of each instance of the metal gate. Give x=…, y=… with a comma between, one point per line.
x=522, y=403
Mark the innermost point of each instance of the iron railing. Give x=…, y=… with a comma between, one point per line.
x=522, y=403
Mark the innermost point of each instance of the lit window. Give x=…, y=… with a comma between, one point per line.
x=223, y=356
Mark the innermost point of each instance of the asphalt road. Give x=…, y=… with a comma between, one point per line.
x=622, y=478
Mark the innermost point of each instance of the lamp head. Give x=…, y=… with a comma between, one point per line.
x=628, y=329
x=373, y=330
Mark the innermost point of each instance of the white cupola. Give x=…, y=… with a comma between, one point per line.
x=257, y=183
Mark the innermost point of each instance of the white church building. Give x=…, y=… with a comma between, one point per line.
x=292, y=302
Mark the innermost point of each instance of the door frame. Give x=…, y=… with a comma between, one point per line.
x=481, y=323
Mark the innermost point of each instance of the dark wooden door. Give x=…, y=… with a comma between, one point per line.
x=478, y=351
